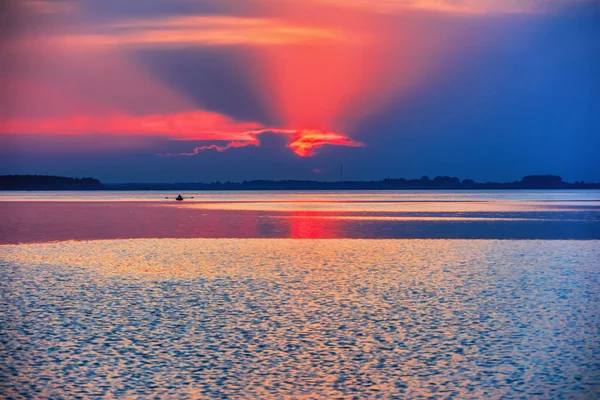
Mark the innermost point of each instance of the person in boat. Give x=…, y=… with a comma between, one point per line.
x=179, y=197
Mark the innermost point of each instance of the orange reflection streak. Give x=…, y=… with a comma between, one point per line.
x=303, y=225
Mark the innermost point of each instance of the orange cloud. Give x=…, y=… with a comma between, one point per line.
x=306, y=141
x=205, y=30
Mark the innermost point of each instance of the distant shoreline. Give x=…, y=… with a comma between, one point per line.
x=55, y=183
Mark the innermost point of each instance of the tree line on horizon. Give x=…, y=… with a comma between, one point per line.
x=47, y=182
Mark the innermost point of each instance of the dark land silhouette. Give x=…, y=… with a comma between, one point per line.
x=47, y=182
x=44, y=182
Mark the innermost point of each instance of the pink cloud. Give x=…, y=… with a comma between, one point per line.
x=195, y=125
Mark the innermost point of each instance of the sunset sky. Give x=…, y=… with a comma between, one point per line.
x=204, y=90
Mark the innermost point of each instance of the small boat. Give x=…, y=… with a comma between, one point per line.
x=179, y=197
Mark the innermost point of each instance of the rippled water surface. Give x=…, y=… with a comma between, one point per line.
x=300, y=295
x=318, y=318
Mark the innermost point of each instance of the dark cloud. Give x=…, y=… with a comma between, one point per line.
x=220, y=79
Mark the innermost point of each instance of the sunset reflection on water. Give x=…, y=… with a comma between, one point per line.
x=316, y=318
x=306, y=225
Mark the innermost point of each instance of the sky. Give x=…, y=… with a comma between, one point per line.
x=207, y=90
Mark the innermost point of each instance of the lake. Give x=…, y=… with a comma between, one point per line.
x=484, y=294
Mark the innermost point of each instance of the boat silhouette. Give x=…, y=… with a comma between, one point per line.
x=179, y=197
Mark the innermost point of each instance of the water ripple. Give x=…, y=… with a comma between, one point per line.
x=220, y=318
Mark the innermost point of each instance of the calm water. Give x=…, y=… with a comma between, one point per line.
x=301, y=295
x=48, y=216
